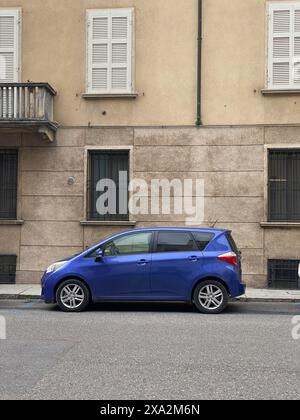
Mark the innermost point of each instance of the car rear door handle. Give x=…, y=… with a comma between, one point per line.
x=143, y=262
x=193, y=259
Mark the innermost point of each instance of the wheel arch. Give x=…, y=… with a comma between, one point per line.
x=202, y=280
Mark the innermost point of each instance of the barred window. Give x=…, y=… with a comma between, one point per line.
x=284, y=185
x=112, y=166
x=283, y=274
x=8, y=184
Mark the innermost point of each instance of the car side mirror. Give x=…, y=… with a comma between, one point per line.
x=99, y=255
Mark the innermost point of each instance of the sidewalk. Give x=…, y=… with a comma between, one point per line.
x=20, y=291
x=268, y=295
x=33, y=291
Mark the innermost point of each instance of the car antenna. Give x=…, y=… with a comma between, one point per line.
x=213, y=225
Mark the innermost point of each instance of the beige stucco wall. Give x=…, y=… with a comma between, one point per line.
x=231, y=161
x=54, y=50
x=234, y=62
x=235, y=59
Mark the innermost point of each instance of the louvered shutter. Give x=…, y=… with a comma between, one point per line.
x=296, y=46
x=9, y=45
x=284, y=46
x=110, y=35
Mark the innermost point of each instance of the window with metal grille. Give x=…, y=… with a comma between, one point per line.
x=283, y=274
x=8, y=265
x=284, y=185
x=8, y=184
x=113, y=166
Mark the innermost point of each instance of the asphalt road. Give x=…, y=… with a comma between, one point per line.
x=149, y=351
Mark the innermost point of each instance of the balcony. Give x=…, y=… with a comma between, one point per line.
x=28, y=107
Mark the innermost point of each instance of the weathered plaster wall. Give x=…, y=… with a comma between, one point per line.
x=231, y=161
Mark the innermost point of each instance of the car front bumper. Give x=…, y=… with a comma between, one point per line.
x=47, y=294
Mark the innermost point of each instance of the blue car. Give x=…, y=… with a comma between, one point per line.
x=199, y=266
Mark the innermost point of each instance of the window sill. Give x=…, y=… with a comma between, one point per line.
x=289, y=225
x=107, y=223
x=4, y=222
x=280, y=91
x=110, y=95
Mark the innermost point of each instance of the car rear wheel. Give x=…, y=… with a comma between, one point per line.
x=210, y=297
x=72, y=296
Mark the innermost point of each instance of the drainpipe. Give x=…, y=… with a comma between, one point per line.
x=199, y=64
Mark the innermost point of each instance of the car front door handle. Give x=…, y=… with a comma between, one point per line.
x=143, y=262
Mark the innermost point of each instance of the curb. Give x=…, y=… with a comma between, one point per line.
x=20, y=297
x=269, y=300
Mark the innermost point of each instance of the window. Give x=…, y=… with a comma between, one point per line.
x=109, y=201
x=283, y=274
x=8, y=184
x=139, y=243
x=8, y=264
x=175, y=242
x=202, y=239
x=10, y=20
x=284, y=46
x=284, y=185
x=110, y=51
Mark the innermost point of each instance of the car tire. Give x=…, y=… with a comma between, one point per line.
x=210, y=297
x=73, y=296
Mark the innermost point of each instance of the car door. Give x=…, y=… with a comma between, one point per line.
x=176, y=263
x=124, y=270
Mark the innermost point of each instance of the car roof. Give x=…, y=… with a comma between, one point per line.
x=216, y=232
x=181, y=229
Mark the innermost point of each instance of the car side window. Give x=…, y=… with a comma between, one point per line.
x=203, y=239
x=175, y=242
x=138, y=243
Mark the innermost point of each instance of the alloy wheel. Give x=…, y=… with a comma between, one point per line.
x=72, y=296
x=211, y=297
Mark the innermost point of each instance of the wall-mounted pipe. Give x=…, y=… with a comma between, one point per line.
x=199, y=65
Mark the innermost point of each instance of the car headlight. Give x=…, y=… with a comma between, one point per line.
x=56, y=266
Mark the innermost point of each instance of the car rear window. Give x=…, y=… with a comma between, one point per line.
x=203, y=239
x=232, y=243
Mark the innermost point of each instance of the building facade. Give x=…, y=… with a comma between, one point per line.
x=91, y=87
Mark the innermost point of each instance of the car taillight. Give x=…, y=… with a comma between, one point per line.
x=230, y=258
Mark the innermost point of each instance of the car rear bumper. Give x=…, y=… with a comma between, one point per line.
x=241, y=290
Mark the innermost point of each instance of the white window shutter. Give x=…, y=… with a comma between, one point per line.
x=284, y=46
x=10, y=23
x=296, y=46
x=110, y=51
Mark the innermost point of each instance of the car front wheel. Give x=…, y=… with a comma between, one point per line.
x=210, y=297
x=72, y=296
